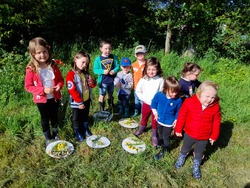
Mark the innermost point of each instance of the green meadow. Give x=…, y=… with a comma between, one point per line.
x=24, y=162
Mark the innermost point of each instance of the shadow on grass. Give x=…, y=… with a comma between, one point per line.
x=226, y=130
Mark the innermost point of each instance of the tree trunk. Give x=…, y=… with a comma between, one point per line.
x=168, y=40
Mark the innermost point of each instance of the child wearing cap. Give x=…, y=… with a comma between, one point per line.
x=124, y=84
x=137, y=70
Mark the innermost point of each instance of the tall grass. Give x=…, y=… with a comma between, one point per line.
x=24, y=162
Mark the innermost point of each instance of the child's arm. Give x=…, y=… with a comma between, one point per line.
x=154, y=105
x=59, y=79
x=91, y=82
x=98, y=67
x=139, y=90
x=76, y=96
x=182, y=116
x=216, y=127
x=29, y=83
x=116, y=66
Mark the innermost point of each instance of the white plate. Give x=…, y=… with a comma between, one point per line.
x=97, y=141
x=133, y=145
x=103, y=116
x=59, y=149
x=128, y=123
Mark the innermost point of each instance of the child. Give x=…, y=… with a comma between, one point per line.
x=79, y=84
x=106, y=66
x=188, y=81
x=200, y=117
x=147, y=87
x=165, y=106
x=137, y=71
x=44, y=80
x=124, y=83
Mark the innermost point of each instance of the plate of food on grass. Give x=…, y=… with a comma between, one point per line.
x=60, y=149
x=133, y=145
x=128, y=123
x=97, y=141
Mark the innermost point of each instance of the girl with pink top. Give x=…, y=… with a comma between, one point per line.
x=147, y=87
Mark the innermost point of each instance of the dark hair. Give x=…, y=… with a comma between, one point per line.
x=79, y=55
x=153, y=61
x=102, y=42
x=190, y=67
x=171, y=84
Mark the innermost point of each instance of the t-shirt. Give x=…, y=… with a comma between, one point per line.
x=85, y=88
x=137, y=72
x=47, y=76
x=107, y=64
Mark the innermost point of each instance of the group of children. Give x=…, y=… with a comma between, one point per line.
x=172, y=104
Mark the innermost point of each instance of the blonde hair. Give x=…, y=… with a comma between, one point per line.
x=38, y=41
x=205, y=85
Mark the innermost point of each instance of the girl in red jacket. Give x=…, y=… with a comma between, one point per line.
x=200, y=117
x=79, y=84
x=44, y=80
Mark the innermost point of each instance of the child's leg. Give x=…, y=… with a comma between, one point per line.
x=137, y=107
x=110, y=90
x=188, y=142
x=198, y=154
x=53, y=111
x=77, y=119
x=166, y=137
x=102, y=91
x=154, y=130
x=86, y=129
x=146, y=111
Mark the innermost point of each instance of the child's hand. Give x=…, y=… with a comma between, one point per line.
x=178, y=134
x=81, y=106
x=119, y=85
x=112, y=72
x=91, y=82
x=156, y=116
x=48, y=90
x=211, y=141
x=106, y=72
x=57, y=88
x=174, y=123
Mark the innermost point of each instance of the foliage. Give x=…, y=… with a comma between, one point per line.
x=24, y=162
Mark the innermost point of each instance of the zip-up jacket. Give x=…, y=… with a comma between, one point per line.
x=197, y=123
x=34, y=85
x=75, y=89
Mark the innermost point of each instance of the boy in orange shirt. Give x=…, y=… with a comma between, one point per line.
x=137, y=71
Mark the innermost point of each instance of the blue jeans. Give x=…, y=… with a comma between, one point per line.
x=109, y=88
x=138, y=102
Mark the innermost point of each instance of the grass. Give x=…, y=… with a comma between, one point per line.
x=24, y=162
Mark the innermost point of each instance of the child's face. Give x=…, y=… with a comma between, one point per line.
x=172, y=94
x=207, y=96
x=151, y=71
x=82, y=62
x=125, y=69
x=140, y=56
x=41, y=54
x=105, y=49
x=194, y=75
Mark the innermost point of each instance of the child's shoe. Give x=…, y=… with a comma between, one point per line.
x=136, y=113
x=140, y=131
x=78, y=135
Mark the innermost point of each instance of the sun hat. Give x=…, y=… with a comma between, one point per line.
x=125, y=62
x=140, y=49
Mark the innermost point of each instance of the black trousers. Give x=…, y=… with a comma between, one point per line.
x=164, y=134
x=49, y=114
x=79, y=116
x=199, y=146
